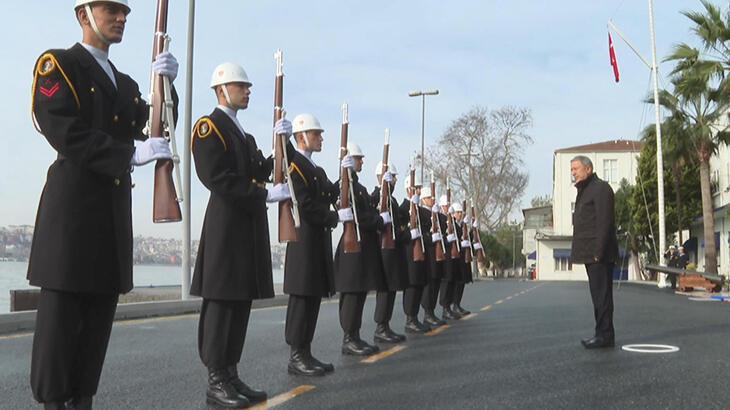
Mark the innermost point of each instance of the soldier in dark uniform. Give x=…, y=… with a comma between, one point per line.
x=463, y=222
x=358, y=273
x=417, y=271
x=455, y=272
x=308, y=271
x=81, y=256
x=435, y=268
x=394, y=260
x=233, y=266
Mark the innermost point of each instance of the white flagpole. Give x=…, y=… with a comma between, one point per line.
x=185, y=283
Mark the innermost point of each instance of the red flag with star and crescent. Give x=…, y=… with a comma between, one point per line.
x=612, y=55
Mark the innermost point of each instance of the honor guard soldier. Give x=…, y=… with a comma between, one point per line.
x=454, y=272
x=233, y=266
x=466, y=223
x=308, y=270
x=359, y=272
x=417, y=270
x=436, y=268
x=394, y=260
x=81, y=256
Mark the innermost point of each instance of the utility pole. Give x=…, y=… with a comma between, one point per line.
x=423, y=95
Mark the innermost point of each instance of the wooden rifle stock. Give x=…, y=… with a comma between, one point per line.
x=165, y=205
x=480, y=252
x=349, y=235
x=455, y=253
x=468, y=257
x=415, y=221
x=439, y=248
x=287, y=222
x=387, y=237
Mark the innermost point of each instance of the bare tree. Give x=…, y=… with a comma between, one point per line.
x=481, y=155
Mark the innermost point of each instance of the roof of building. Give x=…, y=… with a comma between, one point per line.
x=606, y=146
x=535, y=208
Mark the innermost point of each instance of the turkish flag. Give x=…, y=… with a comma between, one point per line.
x=612, y=54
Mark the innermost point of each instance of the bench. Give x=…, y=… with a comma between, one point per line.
x=689, y=280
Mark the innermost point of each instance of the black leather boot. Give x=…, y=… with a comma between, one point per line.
x=384, y=334
x=430, y=319
x=56, y=405
x=254, y=396
x=460, y=310
x=221, y=392
x=413, y=325
x=328, y=367
x=397, y=336
x=301, y=365
x=351, y=345
x=79, y=403
x=450, y=314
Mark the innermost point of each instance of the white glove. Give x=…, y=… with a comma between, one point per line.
x=346, y=215
x=477, y=246
x=467, y=220
x=465, y=244
x=451, y=237
x=475, y=224
x=386, y=218
x=436, y=237
x=283, y=126
x=388, y=177
x=151, y=149
x=166, y=64
x=435, y=209
x=278, y=193
x=416, y=199
x=347, y=162
x=415, y=233
x=451, y=209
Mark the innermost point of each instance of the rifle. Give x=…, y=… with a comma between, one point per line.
x=440, y=248
x=415, y=222
x=351, y=234
x=167, y=197
x=480, y=252
x=387, y=237
x=465, y=235
x=289, y=209
x=455, y=247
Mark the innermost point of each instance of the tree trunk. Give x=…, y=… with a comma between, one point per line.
x=708, y=217
x=678, y=199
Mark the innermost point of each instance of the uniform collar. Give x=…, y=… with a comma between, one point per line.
x=232, y=115
x=306, y=154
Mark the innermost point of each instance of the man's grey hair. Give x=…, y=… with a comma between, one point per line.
x=583, y=160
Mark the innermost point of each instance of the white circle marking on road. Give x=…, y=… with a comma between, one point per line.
x=696, y=299
x=650, y=348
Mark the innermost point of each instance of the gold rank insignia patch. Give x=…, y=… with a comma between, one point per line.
x=204, y=130
x=46, y=65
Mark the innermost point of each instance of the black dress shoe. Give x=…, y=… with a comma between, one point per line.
x=384, y=334
x=301, y=365
x=79, y=403
x=56, y=405
x=460, y=310
x=351, y=345
x=598, y=342
x=370, y=349
x=430, y=319
x=328, y=367
x=254, y=396
x=450, y=314
x=396, y=336
x=222, y=393
x=413, y=325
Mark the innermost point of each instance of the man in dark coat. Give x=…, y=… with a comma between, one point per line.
x=358, y=273
x=394, y=260
x=308, y=271
x=81, y=256
x=595, y=245
x=436, y=268
x=233, y=266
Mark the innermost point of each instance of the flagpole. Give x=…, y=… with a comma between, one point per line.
x=659, y=156
x=185, y=274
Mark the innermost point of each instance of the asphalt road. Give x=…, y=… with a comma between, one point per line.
x=523, y=351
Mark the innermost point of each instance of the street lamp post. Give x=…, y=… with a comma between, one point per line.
x=423, y=95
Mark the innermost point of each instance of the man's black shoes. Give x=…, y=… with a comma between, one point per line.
x=598, y=342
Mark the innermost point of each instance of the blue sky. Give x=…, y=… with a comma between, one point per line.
x=550, y=56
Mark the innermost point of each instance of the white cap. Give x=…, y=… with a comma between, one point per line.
x=426, y=192
x=306, y=122
x=456, y=207
x=354, y=150
x=443, y=201
x=80, y=3
x=229, y=73
x=391, y=168
x=408, y=181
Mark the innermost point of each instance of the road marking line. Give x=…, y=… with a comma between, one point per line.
x=438, y=330
x=382, y=355
x=469, y=316
x=15, y=336
x=508, y=298
x=485, y=308
x=498, y=302
x=284, y=397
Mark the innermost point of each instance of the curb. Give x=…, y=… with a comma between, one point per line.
x=25, y=321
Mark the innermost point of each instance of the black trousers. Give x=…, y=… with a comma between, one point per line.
x=71, y=337
x=351, y=306
x=384, y=304
x=411, y=300
x=447, y=293
x=430, y=295
x=459, y=292
x=222, y=331
x=301, y=320
x=600, y=281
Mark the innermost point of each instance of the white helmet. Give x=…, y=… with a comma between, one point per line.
x=456, y=207
x=305, y=122
x=80, y=3
x=443, y=201
x=426, y=192
x=354, y=150
x=408, y=181
x=229, y=73
x=379, y=168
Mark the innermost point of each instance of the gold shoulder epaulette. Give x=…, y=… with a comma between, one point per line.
x=203, y=128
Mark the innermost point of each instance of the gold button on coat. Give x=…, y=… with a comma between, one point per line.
x=117, y=181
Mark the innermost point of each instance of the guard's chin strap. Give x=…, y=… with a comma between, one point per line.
x=228, y=98
x=92, y=22
x=306, y=141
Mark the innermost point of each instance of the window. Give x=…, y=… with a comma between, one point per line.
x=610, y=170
x=563, y=264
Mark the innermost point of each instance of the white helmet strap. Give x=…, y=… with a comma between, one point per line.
x=92, y=22
x=306, y=141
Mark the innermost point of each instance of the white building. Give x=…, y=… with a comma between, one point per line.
x=612, y=162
